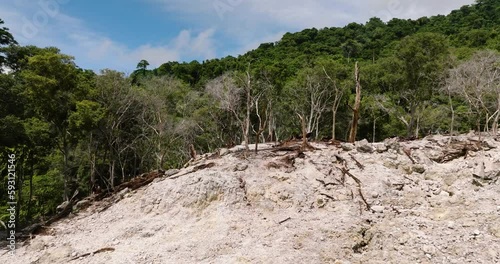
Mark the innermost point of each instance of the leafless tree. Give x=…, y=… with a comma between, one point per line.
x=228, y=94
x=478, y=82
x=357, y=106
x=337, y=94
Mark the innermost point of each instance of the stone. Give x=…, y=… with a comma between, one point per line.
x=364, y=146
x=489, y=143
x=82, y=204
x=392, y=143
x=379, y=147
x=418, y=168
x=378, y=208
x=347, y=146
x=223, y=151
x=62, y=206
x=172, y=172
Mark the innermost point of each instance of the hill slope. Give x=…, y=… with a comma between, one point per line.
x=292, y=207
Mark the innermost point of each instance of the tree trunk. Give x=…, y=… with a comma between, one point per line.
x=112, y=174
x=249, y=105
x=356, y=108
x=32, y=171
x=334, y=122
x=66, y=169
x=374, y=128
x=411, y=125
x=452, y=123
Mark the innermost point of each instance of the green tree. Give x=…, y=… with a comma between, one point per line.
x=50, y=83
x=422, y=57
x=6, y=39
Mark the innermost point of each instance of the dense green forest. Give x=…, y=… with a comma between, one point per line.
x=74, y=129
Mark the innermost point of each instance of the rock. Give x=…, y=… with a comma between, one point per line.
x=479, y=171
x=449, y=178
x=421, y=158
x=392, y=143
x=347, y=146
x=240, y=167
x=418, y=168
x=62, y=206
x=223, y=151
x=171, y=172
x=378, y=208
x=489, y=143
x=364, y=146
x=407, y=169
x=390, y=164
x=122, y=193
x=494, y=230
x=379, y=147
x=82, y=204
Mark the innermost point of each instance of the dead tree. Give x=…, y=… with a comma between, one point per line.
x=262, y=123
x=477, y=81
x=356, y=108
x=338, y=93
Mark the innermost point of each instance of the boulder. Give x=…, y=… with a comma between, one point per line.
x=347, y=146
x=489, y=143
x=380, y=147
x=223, y=151
x=392, y=143
x=364, y=146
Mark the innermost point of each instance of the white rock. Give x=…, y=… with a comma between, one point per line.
x=364, y=146
x=378, y=208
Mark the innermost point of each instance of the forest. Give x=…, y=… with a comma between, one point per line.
x=74, y=129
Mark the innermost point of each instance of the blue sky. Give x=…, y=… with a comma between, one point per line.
x=117, y=34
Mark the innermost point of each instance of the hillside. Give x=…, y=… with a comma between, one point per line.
x=433, y=200
x=65, y=130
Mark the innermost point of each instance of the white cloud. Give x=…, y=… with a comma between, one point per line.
x=247, y=21
x=241, y=25
x=95, y=50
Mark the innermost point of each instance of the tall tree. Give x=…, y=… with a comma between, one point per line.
x=478, y=82
x=423, y=58
x=51, y=87
x=6, y=39
x=357, y=105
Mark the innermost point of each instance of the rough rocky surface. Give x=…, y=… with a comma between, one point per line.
x=435, y=200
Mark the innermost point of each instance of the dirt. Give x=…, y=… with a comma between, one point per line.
x=435, y=200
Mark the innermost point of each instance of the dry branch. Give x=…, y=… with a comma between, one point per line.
x=358, y=182
x=106, y=249
x=357, y=162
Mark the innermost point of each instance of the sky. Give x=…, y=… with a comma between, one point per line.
x=117, y=34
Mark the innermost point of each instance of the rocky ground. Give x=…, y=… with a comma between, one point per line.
x=435, y=200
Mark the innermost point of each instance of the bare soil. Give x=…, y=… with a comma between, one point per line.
x=435, y=200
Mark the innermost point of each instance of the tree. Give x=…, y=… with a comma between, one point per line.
x=228, y=96
x=6, y=39
x=478, y=82
x=165, y=129
x=336, y=77
x=309, y=96
x=50, y=80
x=357, y=105
x=119, y=128
x=422, y=57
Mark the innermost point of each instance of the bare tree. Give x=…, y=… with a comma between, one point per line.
x=356, y=108
x=161, y=129
x=337, y=94
x=478, y=82
x=228, y=94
